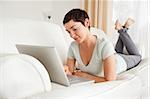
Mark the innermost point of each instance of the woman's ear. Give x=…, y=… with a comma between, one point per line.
x=87, y=22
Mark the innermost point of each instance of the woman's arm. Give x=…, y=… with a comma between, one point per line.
x=69, y=67
x=89, y=76
x=110, y=68
x=109, y=71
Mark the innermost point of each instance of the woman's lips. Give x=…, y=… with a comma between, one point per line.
x=77, y=39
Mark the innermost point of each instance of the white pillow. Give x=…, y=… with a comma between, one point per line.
x=21, y=76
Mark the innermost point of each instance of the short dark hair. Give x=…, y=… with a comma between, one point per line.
x=76, y=15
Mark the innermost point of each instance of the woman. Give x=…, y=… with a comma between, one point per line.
x=93, y=57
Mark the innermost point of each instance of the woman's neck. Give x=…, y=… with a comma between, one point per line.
x=89, y=41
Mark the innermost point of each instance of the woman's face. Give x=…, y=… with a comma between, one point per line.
x=77, y=30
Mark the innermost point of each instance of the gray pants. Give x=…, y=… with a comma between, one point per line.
x=133, y=58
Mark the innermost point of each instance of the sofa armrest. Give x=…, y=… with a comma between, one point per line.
x=21, y=76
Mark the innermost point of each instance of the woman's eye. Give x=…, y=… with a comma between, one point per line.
x=74, y=29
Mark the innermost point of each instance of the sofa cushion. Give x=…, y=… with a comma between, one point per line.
x=22, y=76
x=141, y=70
x=95, y=90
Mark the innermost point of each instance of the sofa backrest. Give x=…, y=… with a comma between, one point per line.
x=30, y=32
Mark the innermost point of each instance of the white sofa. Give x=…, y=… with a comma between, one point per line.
x=23, y=76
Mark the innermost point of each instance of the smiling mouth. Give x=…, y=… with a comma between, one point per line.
x=75, y=39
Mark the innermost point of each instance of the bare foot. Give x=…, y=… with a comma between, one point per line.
x=128, y=22
x=118, y=26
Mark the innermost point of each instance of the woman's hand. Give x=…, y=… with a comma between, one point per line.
x=66, y=68
x=69, y=67
x=80, y=73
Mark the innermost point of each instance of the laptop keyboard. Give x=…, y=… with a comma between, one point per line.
x=78, y=80
x=73, y=78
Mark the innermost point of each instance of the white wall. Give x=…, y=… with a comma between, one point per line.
x=23, y=9
x=1, y=10
x=38, y=9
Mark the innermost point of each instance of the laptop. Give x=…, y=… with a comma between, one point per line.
x=50, y=58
